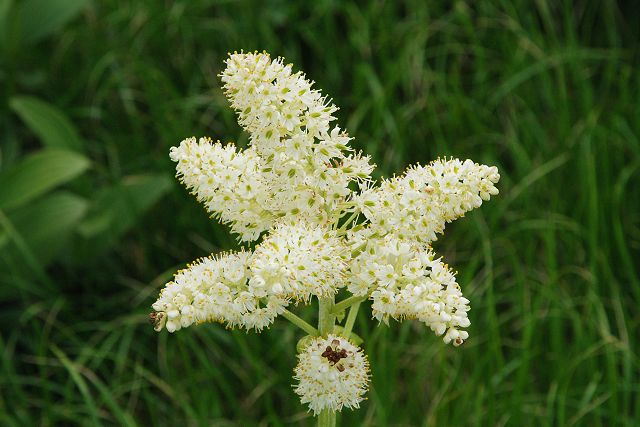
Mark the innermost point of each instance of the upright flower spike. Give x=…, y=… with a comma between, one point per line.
x=272, y=102
x=320, y=224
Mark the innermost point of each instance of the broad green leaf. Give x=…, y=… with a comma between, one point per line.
x=49, y=123
x=37, y=174
x=116, y=209
x=46, y=224
x=39, y=18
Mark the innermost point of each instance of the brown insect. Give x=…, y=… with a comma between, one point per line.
x=334, y=355
x=155, y=318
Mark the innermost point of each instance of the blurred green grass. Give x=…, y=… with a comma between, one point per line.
x=547, y=91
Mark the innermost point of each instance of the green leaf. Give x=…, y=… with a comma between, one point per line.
x=46, y=224
x=116, y=209
x=37, y=174
x=39, y=18
x=49, y=123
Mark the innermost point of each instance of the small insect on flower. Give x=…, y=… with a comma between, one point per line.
x=334, y=353
x=332, y=373
x=157, y=319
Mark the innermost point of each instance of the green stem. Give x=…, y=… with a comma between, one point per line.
x=326, y=317
x=300, y=323
x=351, y=319
x=327, y=419
x=346, y=303
x=326, y=321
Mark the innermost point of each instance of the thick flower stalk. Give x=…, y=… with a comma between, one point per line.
x=322, y=228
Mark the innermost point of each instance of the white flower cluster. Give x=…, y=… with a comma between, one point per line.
x=273, y=103
x=293, y=181
x=296, y=261
x=229, y=183
x=297, y=165
x=405, y=281
x=215, y=290
x=294, y=188
x=332, y=373
x=395, y=265
x=418, y=204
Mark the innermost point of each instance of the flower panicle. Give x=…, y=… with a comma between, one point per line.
x=285, y=187
x=321, y=224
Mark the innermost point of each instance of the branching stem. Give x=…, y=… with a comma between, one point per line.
x=300, y=323
x=351, y=319
x=346, y=303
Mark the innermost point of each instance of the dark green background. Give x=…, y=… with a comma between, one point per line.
x=92, y=224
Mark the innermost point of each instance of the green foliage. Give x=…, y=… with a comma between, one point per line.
x=39, y=18
x=115, y=209
x=38, y=173
x=51, y=125
x=89, y=215
x=45, y=224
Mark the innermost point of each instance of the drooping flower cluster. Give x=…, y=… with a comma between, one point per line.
x=405, y=281
x=331, y=373
x=215, y=289
x=396, y=266
x=293, y=190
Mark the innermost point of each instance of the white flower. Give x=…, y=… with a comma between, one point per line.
x=298, y=261
x=418, y=204
x=214, y=289
x=405, y=281
x=229, y=183
x=332, y=373
x=270, y=99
